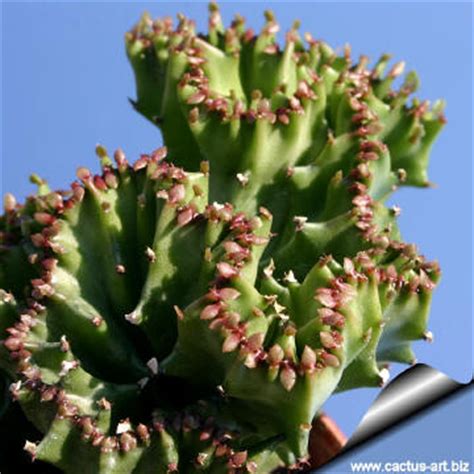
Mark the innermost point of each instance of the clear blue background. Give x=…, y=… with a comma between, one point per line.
x=65, y=83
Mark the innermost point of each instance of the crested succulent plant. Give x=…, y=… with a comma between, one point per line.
x=276, y=124
x=193, y=312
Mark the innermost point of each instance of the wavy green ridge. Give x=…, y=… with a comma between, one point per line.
x=194, y=313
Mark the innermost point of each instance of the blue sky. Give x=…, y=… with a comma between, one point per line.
x=65, y=83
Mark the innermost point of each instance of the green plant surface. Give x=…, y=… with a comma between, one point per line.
x=194, y=310
x=281, y=121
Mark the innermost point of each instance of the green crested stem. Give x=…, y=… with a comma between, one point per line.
x=83, y=359
x=157, y=319
x=274, y=109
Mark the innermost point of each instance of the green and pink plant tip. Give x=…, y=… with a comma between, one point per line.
x=194, y=310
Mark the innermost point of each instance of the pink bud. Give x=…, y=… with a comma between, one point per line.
x=83, y=174
x=211, y=311
x=326, y=297
x=44, y=218
x=225, y=270
x=141, y=163
x=231, y=342
x=239, y=458
x=255, y=341
x=288, y=378
x=229, y=294
x=330, y=359
x=275, y=355
x=119, y=157
x=331, y=318
x=185, y=216
x=99, y=183
x=111, y=180
x=159, y=154
x=327, y=339
x=176, y=193
x=196, y=98
x=49, y=263
x=308, y=358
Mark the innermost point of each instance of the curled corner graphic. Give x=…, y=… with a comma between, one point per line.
x=411, y=392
